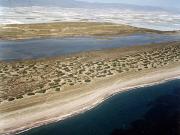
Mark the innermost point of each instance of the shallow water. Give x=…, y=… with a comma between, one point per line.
x=153, y=110
x=41, y=48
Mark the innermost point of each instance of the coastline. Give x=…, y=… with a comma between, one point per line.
x=30, y=111
x=149, y=80
x=84, y=110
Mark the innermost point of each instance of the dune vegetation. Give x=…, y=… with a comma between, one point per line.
x=31, y=77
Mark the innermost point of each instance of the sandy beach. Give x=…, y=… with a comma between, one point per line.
x=52, y=111
x=39, y=109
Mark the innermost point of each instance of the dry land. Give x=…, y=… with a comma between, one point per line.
x=69, y=29
x=35, y=92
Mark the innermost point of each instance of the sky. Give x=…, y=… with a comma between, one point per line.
x=159, y=3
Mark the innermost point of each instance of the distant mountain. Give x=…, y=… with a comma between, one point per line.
x=19, y=3
x=72, y=4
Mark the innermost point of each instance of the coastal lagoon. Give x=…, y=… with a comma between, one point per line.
x=152, y=109
x=42, y=48
x=74, y=68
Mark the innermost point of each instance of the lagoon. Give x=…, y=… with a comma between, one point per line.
x=43, y=48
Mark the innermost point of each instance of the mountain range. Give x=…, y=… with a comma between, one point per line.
x=66, y=3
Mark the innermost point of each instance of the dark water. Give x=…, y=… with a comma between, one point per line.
x=40, y=48
x=153, y=110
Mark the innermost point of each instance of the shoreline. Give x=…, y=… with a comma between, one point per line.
x=84, y=110
x=147, y=82
x=71, y=29
x=103, y=37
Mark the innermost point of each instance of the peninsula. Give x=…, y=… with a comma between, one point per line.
x=37, y=92
x=70, y=29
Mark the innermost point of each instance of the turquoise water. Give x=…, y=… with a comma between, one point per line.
x=41, y=48
x=153, y=110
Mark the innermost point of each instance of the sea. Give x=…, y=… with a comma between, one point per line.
x=151, y=110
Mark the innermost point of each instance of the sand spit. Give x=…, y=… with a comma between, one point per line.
x=70, y=29
x=120, y=70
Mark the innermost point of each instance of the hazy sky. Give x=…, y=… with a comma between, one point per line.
x=160, y=3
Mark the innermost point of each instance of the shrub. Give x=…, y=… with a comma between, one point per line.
x=24, y=72
x=58, y=89
x=41, y=86
x=19, y=97
x=11, y=99
x=71, y=84
x=30, y=94
x=88, y=80
x=41, y=91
